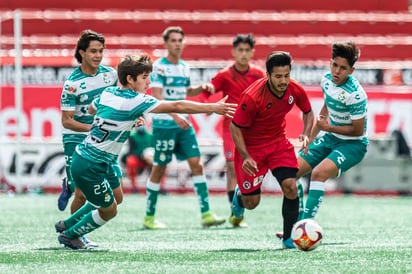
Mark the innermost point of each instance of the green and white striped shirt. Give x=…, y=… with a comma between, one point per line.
x=174, y=79
x=79, y=91
x=345, y=103
x=117, y=113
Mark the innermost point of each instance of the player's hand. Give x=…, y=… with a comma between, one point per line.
x=304, y=139
x=181, y=122
x=226, y=109
x=322, y=123
x=140, y=122
x=249, y=166
x=209, y=88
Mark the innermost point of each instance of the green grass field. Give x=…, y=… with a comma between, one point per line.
x=361, y=235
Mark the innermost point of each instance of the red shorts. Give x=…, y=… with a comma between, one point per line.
x=279, y=154
x=228, y=144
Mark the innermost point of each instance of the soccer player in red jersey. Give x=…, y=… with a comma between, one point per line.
x=258, y=131
x=232, y=81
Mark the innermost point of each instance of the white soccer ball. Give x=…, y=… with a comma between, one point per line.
x=307, y=234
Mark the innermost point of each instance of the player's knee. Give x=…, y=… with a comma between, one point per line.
x=79, y=198
x=197, y=168
x=109, y=212
x=114, y=210
x=157, y=173
x=250, y=202
x=290, y=189
x=319, y=175
x=119, y=198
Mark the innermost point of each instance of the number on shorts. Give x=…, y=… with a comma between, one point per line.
x=318, y=141
x=99, y=189
x=165, y=145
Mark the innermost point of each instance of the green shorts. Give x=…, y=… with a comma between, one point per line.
x=90, y=178
x=68, y=149
x=344, y=153
x=112, y=176
x=176, y=141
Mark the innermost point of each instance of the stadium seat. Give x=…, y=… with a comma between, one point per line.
x=381, y=35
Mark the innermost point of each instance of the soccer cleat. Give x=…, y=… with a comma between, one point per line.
x=279, y=235
x=64, y=196
x=60, y=226
x=237, y=222
x=89, y=244
x=237, y=210
x=151, y=223
x=288, y=243
x=210, y=219
x=76, y=243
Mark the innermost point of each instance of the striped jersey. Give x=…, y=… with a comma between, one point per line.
x=173, y=79
x=117, y=113
x=79, y=91
x=345, y=103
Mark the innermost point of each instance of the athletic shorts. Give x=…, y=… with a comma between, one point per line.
x=176, y=141
x=228, y=144
x=278, y=154
x=90, y=178
x=344, y=153
x=113, y=176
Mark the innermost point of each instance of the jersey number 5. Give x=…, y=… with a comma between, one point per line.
x=102, y=126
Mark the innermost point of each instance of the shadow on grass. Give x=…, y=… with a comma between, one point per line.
x=236, y=250
x=335, y=243
x=170, y=228
x=65, y=249
x=244, y=250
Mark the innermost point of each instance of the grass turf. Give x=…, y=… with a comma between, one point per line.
x=361, y=235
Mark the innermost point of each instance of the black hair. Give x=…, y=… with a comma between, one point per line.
x=278, y=59
x=347, y=50
x=84, y=41
x=243, y=38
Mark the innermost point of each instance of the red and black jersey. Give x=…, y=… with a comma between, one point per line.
x=261, y=114
x=233, y=82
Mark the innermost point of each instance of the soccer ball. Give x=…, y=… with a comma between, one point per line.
x=307, y=234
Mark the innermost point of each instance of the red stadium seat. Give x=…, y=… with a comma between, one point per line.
x=307, y=35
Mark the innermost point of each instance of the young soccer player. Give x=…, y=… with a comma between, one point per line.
x=117, y=111
x=83, y=85
x=343, y=119
x=232, y=81
x=258, y=131
x=173, y=133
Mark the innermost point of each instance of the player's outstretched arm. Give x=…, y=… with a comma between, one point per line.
x=184, y=106
x=195, y=90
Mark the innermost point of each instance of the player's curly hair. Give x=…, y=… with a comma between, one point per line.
x=133, y=65
x=347, y=50
x=243, y=38
x=84, y=41
x=278, y=59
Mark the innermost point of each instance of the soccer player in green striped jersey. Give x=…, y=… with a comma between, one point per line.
x=173, y=134
x=84, y=84
x=117, y=111
x=343, y=120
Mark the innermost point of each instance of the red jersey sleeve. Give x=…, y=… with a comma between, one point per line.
x=245, y=111
x=218, y=81
x=302, y=99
